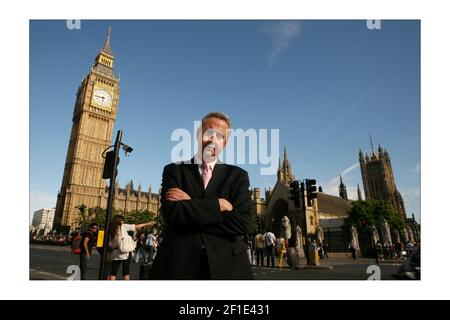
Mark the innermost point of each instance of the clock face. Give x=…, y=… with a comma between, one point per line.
x=102, y=98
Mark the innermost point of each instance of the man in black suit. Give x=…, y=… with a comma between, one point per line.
x=207, y=208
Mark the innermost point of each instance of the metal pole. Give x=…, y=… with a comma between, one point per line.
x=109, y=208
x=302, y=190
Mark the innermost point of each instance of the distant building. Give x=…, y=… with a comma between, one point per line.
x=43, y=220
x=259, y=208
x=379, y=184
x=378, y=179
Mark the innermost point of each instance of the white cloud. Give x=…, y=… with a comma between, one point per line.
x=331, y=186
x=350, y=169
x=281, y=34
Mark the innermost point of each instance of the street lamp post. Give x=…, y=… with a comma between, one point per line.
x=109, y=207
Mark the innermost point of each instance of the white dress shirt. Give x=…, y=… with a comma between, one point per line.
x=198, y=160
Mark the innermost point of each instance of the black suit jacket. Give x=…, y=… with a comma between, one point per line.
x=196, y=223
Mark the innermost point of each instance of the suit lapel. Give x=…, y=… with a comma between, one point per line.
x=196, y=177
x=218, y=175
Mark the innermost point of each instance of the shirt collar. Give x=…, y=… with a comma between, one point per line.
x=198, y=161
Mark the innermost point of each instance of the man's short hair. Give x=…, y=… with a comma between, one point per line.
x=219, y=115
x=92, y=225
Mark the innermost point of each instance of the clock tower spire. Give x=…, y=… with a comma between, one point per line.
x=93, y=120
x=104, y=62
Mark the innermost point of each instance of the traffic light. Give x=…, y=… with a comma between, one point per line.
x=295, y=193
x=310, y=190
x=109, y=164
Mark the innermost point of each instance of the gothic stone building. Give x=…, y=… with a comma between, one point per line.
x=324, y=218
x=379, y=184
x=378, y=179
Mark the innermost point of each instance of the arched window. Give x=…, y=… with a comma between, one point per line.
x=311, y=219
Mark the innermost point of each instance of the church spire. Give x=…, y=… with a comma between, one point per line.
x=284, y=169
x=371, y=143
x=342, y=189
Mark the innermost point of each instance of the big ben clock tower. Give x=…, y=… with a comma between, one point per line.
x=92, y=128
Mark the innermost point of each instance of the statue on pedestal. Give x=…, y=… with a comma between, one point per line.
x=299, y=234
x=286, y=229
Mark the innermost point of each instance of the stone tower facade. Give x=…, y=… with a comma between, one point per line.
x=93, y=120
x=378, y=179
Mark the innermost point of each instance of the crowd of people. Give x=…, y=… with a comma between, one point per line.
x=266, y=249
x=123, y=246
x=390, y=251
x=277, y=251
x=263, y=249
x=54, y=239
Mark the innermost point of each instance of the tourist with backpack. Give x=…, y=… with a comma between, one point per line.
x=76, y=243
x=122, y=245
x=86, y=243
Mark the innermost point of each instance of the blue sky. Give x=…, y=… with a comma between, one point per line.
x=323, y=84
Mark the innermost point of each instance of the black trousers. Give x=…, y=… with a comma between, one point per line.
x=83, y=266
x=125, y=266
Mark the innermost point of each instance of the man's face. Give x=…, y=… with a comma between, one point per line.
x=213, y=138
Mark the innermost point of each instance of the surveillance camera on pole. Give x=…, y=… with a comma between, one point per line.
x=110, y=172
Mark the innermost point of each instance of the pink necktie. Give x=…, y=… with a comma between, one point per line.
x=206, y=173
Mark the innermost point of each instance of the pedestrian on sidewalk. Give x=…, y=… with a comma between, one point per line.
x=152, y=244
x=269, y=239
x=325, y=250
x=320, y=248
x=87, y=242
x=281, y=249
x=249, y=245
x=352, y=248
x=379, y=249
x=259, y=243
x=141, y=250
x=118, y=232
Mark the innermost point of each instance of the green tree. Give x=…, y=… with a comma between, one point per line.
x=140, y=216
x=98, y=216
x=364, y=215
x=85, y=216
